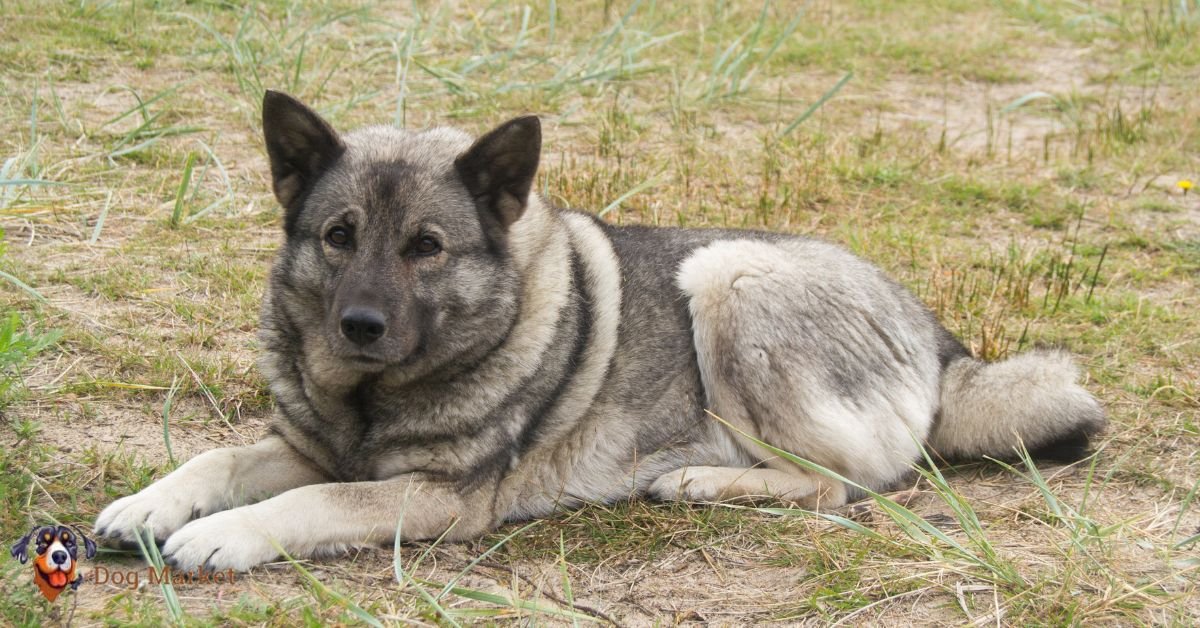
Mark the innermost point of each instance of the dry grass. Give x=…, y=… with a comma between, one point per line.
x=1013, y=162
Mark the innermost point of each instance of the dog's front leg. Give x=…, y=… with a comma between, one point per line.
x=327, y=518
x=211, y=482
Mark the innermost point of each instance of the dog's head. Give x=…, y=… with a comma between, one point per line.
x=56, y=555
x=397, y=249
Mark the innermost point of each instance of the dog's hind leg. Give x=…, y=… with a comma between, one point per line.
x=805, y=347
x=732, y=484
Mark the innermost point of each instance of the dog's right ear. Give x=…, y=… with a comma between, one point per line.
x=301, y=146
x=20, y=549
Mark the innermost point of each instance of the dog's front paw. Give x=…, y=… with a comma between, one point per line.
x=226, y=540
x=162, y=508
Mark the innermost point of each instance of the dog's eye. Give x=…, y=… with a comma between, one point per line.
x=426, y=246
x=65, y=536
x=338, y=237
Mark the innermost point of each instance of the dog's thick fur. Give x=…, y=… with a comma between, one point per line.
x=448, y=351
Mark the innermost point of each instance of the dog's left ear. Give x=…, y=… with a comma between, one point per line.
x=20, y=549
x=89, y=546
x=499, y=167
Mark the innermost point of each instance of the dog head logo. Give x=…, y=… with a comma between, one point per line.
x=57, y=555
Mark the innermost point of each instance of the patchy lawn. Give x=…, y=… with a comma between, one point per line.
x=1016, y=163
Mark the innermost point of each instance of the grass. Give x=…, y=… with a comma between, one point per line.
x=1014, y=163
x=17, y=348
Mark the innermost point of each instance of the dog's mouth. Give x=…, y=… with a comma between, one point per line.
x=363, y=361
x=56, y=578
x=366, y=362
x=375, y=357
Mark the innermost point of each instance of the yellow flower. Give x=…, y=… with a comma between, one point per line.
x=1185, y=185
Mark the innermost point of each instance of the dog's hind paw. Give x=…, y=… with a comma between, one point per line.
x=693, y=484
x=712, y=484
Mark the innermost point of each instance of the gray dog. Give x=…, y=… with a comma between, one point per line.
x=448, y=351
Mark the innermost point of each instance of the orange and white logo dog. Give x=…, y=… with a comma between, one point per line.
x=56, y=558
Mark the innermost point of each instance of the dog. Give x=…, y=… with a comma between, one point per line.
x=448, y=352
x=57, y=555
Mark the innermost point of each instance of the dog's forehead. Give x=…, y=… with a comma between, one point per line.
x=431, y=150
x=391, y=173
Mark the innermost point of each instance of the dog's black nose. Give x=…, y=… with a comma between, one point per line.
x=362, y=325
x=59, y=557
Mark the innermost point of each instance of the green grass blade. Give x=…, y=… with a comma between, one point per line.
x=519, y=604
x=226, y=198
x=321, y=589
x=100, y=219
x=912, y=524
x=817, y=105
x=166, y=416
x=23, y=286
x=5, y=182
x=404, y=577
x=453, y=581
x=150, y=553
x=1186, y=542
x=1024, y=100
x=181, y=194
x=648, y=182
x=568, y=591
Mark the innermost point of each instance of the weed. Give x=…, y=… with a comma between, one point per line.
x=16, y=348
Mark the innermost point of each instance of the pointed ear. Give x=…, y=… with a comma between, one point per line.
x=499, y=167
x=301, y=146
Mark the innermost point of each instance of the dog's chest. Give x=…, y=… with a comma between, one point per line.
x=381, y=435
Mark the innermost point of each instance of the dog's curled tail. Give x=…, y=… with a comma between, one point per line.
x=988, y=408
